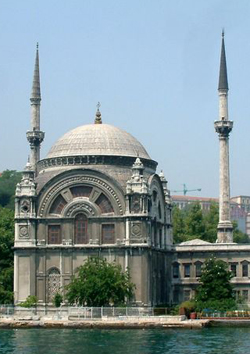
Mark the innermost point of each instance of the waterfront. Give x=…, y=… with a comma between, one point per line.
x=171, y=341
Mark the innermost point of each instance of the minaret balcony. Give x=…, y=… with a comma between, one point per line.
x=223, y=127
x=35, y=137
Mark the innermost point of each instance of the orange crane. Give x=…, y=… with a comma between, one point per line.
x=185, y=190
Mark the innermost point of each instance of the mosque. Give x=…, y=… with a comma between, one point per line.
x=97, y=193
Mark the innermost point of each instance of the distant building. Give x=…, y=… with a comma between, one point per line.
x=237, y=211
x=182, y=201
x=243, y=201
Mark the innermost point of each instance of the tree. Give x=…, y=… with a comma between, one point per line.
x=178, y=225
x=190, y=223
x=215, y=290
x=239, y=236
x=211, y=220
x=6, y=255
x=99, y=283
x=8, y=182
x=194, y=222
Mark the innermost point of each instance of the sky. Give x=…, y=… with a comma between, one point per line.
x=153, y=65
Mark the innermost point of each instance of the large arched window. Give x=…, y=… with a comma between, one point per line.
x=81, y=229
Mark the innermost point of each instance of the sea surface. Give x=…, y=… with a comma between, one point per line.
x=148, y=341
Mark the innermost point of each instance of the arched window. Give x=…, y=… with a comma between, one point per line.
x=81, y=191
x=58, y=205
x=54, y=283
x=81, y=229
x=104, y=204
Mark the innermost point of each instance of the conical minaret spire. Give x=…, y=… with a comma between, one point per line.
x=36, y=90
x=35, y=136
x=223, y=127
x=223, y=83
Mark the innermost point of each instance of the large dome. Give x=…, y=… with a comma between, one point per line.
x=97, y=139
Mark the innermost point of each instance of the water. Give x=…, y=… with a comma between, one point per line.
x=171, y=341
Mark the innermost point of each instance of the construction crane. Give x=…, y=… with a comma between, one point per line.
x=185, y=190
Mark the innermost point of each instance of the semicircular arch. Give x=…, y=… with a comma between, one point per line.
x=101, y=186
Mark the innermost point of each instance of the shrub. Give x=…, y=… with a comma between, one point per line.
x=31, y=301
x=57, y=300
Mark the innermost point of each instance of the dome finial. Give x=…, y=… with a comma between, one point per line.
x=98, y=116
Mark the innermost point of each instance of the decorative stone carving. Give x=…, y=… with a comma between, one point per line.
x=25, y=206
x=23, y=232
x=81, y=206
x=137, y=183
x=136, y=229
x=136, y=233
x=79, y=179
x=135, y=208
x=27, y=185
x=92, y=160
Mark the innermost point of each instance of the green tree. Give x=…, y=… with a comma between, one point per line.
x=99, y=283
x=211, y=219
x=6, y=255
x=190, y=223
x=215, y=290
x=8, y=182
x=178, y=225
x=239, y=236
x=194, y=222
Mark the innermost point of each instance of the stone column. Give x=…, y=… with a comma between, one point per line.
x=225, y=228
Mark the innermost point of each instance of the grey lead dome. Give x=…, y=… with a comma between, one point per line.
x=98, y=139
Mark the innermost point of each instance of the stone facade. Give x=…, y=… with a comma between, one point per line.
x=188, y=258
x=97, y=193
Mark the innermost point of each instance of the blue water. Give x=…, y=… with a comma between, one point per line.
x=172, y=341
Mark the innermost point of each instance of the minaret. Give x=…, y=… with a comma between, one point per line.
x=35, y=136
x=223, y=127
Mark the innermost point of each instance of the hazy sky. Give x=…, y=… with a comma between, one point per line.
x=153, y=65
